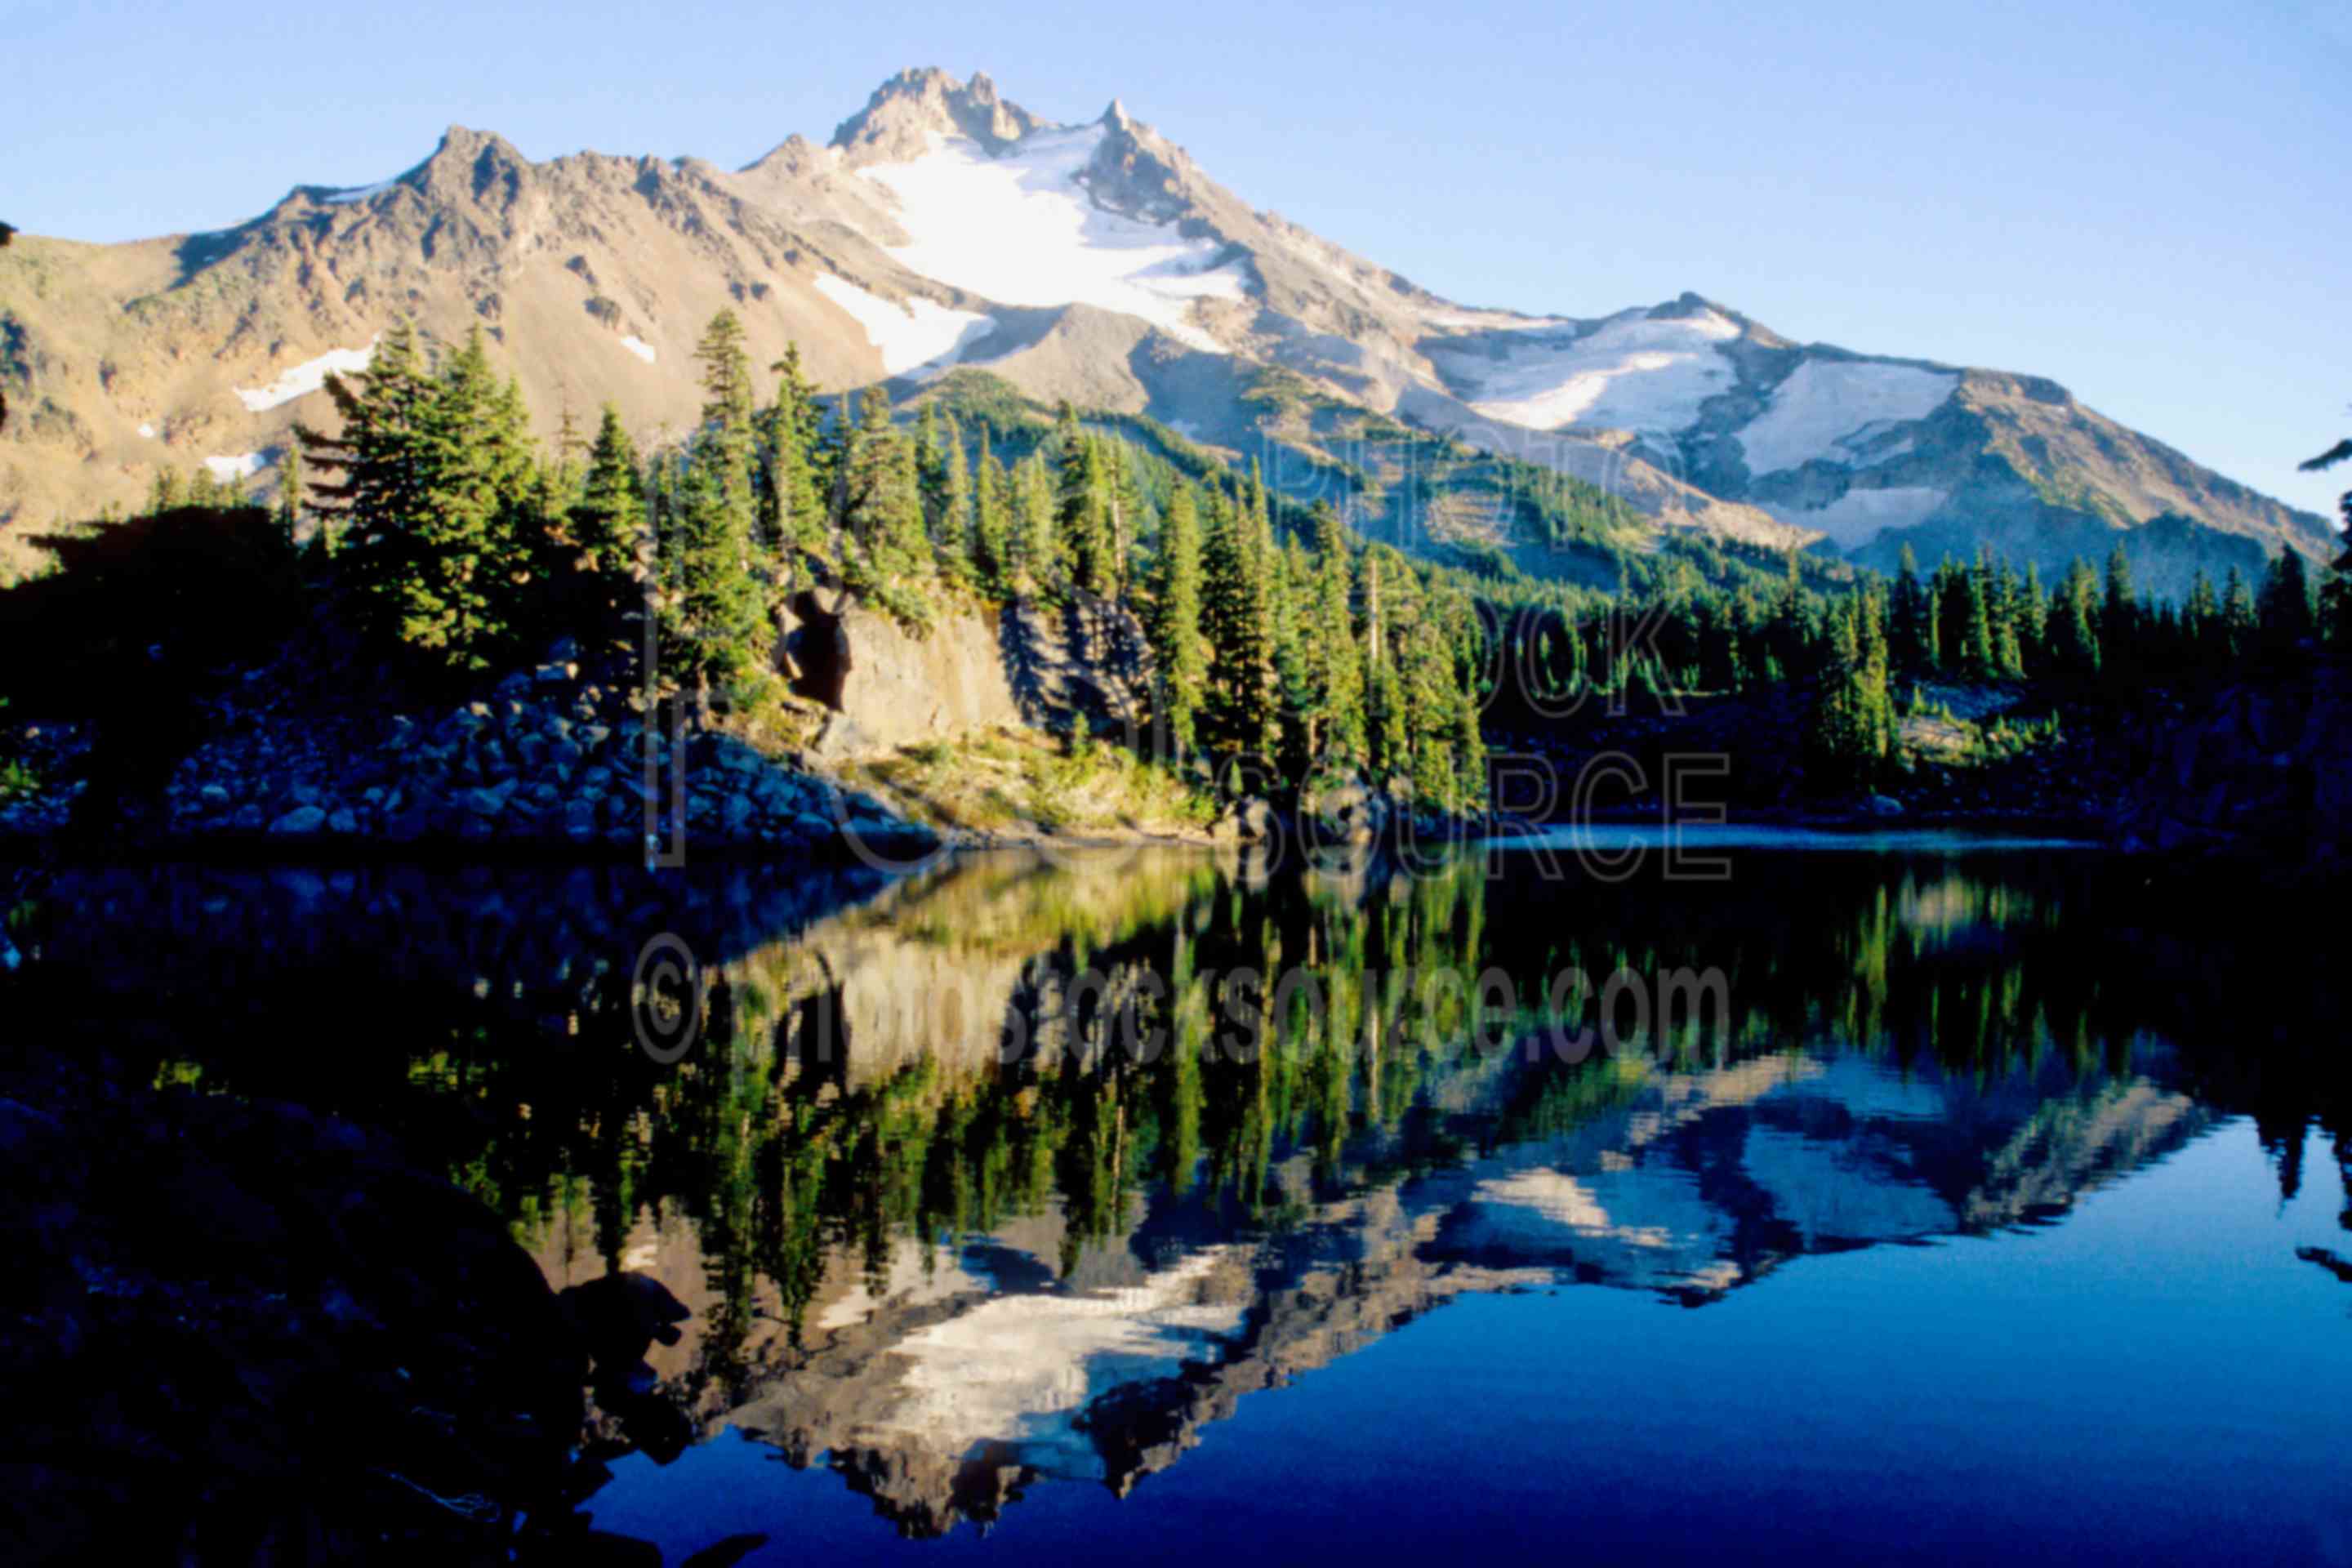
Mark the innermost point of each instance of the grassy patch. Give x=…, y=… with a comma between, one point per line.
x=1019, y=781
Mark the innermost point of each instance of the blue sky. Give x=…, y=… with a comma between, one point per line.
x=2144, y=202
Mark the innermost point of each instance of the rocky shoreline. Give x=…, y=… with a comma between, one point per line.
x=548, y=762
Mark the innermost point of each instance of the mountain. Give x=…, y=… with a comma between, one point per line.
x=944, y=226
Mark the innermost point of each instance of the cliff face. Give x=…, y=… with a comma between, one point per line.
x=888, y=687
x=1060, y=668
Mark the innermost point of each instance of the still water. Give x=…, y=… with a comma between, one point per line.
x=1923, y=1201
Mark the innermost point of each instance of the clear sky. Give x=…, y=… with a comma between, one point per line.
x=2146, y=202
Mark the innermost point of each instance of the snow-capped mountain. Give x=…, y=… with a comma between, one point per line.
x=943, y=226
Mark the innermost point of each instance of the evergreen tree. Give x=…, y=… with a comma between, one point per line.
x=887, y=553
x=1233, y=618
x=1339, y=666
x=994, y=559
x=712, y=615
x=2201, y=619
x=793, y=498
x=2073, y=622
x=714, y=595
x=291, y=483
x=2239, y=618
x=608, y=520
x=1914, y=628
x=375, y=508
x=2283, y=608
x=2119, y=615
x=1388, y=741
x=438, y=505
x=1850, y=737
x=1037, y=545
x=1175, y=622
x=1083, y=508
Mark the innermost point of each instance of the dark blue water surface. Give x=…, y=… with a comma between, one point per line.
x=1929, y=1204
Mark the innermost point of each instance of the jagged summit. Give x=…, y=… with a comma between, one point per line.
x=905, y=112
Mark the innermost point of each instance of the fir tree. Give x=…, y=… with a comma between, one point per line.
x=1082, y=509
x=2283, y=608
x=291, y=484
x=1036, y=544
x=608, y=520
x=888, y=554
x=1177, y=643
x=1915, y=642
x=794, y=495
x=1339, y=677
x=994, y=559
x=1241, y=699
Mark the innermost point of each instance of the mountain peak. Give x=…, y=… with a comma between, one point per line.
x=471, y=165
x=925, y=100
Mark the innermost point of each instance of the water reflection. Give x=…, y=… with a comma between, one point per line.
x=937, y=1222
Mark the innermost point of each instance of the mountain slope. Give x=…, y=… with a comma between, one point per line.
x=944, y=226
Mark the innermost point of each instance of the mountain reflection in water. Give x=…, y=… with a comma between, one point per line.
x=939, y=1227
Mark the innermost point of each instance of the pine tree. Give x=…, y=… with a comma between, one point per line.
x=1082, y=508
x=712, y=616
x=2073, y=622
x=1177, y=643
x=713, y=592
x=1427, y=675
x=1850, y=737
x=460, y=549
x=1914, y=628
x=1983, y=644
x=608, y=521
x=1037, y=545
x=2283, y=608
x=791, y=434
x=2119, y=615
x=1339, y=676
x=947, y=497
x=994, y=559
x=2239, y=619
x=1240, y=702
x=2200, y=619
x=726, y=374
x=374, y=510
x=291, y=483
x=889, y=551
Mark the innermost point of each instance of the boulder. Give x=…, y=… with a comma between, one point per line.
x=302, y=819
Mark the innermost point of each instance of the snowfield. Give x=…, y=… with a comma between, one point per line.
x=305, y=378
x=639, y=347
x=242, y=466
x=1633, y=372
x=1827, y=403
x=921, y=335
x=1019, y=228
x=1859, y=516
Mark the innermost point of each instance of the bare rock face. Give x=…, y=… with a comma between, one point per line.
x=891, y=688
x=907, y=111
x=1082, y=667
